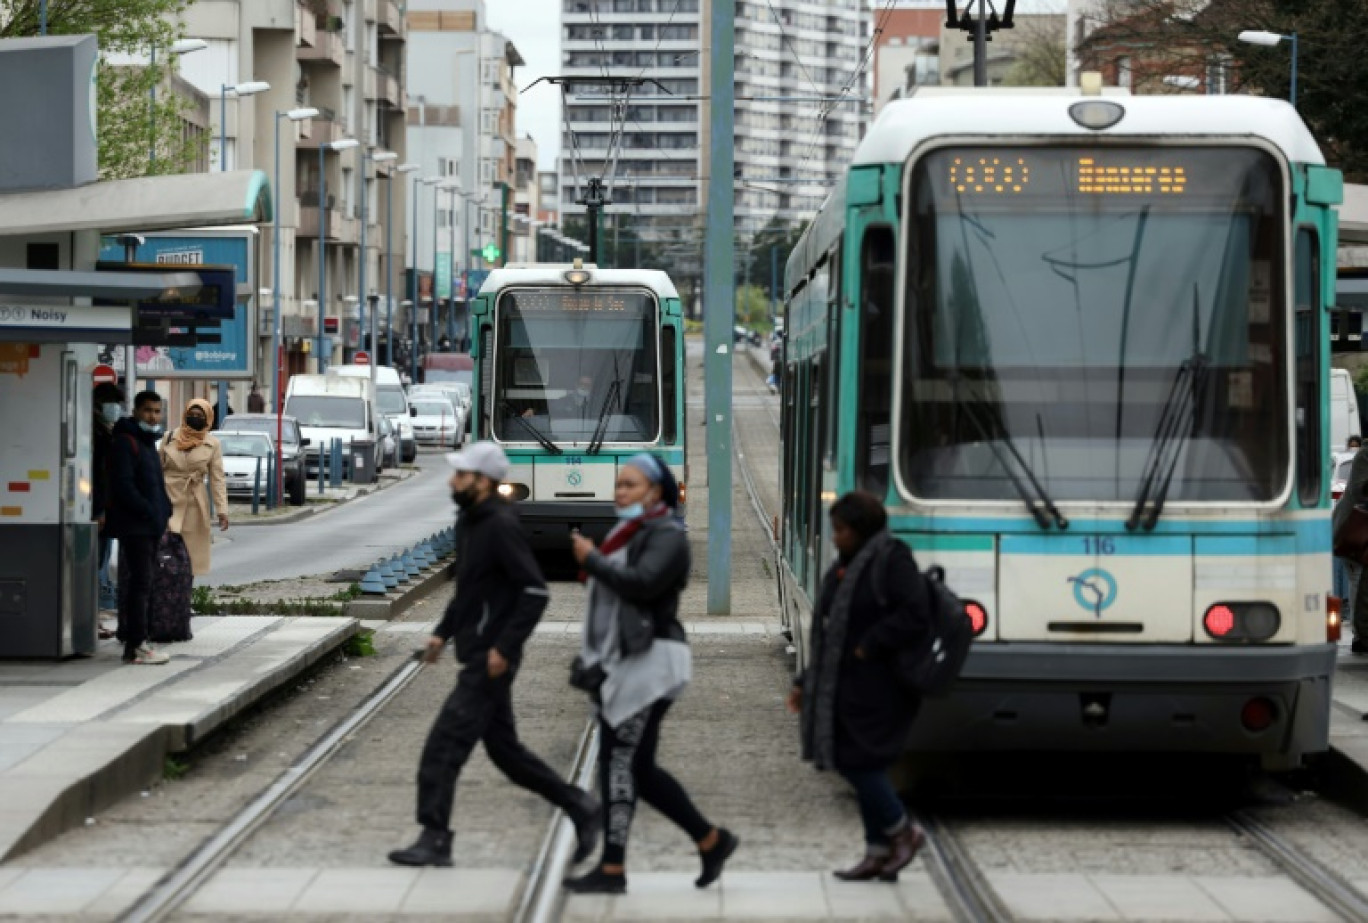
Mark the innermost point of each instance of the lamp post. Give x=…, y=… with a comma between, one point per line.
x=389, y=257
x=368, y=158
x=250, y=88
x=1270, y=39
x=444, y=186
x=184, y=46
x=341, y=144
x=413, y=283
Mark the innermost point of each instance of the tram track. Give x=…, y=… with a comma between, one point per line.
x=965, y=885
x=541, y=898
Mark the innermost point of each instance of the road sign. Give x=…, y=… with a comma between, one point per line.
x=361, y=358
x=104, y=375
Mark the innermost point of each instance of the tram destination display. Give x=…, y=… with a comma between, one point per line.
x=581, y=300
x=1006, y=172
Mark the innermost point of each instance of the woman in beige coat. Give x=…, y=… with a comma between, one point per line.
x=190, y=457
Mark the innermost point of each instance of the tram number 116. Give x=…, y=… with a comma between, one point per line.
x=1099, y=545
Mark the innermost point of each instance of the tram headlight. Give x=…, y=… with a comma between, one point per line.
x=1242, y=621
x=1096, y=114
x=514, y=491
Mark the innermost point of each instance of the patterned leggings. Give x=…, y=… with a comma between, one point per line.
x=627, y=767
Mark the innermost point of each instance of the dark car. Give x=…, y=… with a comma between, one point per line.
x=291, y=447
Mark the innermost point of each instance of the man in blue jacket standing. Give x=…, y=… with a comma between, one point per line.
x=136, y=512
x=500, y=597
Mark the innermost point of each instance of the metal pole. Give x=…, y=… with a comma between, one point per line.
x=413, y=290
x=981, y=46
x=503, y=225
x=275, y=309
x=1294, y=69
x=322, y=250
x=436, y=207
x=223, y=166
x=774, y=281
x=361, y=282
x=152, y=115
x=389, y=268
x=465, y=260
x=720, y=284
x=42, y=17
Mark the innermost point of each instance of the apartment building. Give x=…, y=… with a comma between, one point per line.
x=345, y=58
x=907, y=51
x=462, y=130
x=524, y=221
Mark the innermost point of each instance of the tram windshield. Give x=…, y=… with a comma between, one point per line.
x=1072, y=311
x=576, y=365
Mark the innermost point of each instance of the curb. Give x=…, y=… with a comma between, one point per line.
x=391, y=605
x=364, y=491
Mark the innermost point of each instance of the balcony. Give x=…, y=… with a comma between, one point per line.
x=322, y=130
x=328, y=49
x=389, y=22
x=308, y=219
x=306, y=27
x=383, y=88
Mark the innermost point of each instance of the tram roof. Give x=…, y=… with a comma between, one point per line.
x=904, y=124
x=554, y=274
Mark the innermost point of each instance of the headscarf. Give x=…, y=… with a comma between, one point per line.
x=187, y=438
x=659, y=473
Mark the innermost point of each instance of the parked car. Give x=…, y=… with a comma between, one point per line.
x=292, y=444
x=436, y=420
x=245, y=456
x=332, y=408
x=387, y=453
x=458, y=392
x=391, y=401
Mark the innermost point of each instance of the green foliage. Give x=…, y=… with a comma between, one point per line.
x=173, y=769
x=361, y=644
x=1041, y=60
x=758, y=265
x=201, y=599
x=752, y=306
x=126, y=113
x=347, y=595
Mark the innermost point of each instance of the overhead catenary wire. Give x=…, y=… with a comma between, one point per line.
x=826, y=108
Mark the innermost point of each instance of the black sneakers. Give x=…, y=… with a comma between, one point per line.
x=715, y=858
x=587, y=816
x=433, y=847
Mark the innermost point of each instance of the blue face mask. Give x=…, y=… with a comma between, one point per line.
x=110, y=413
x=152, y=428
x=630, y=512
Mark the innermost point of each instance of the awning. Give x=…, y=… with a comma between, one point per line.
x=148, y=203
x=1353, y=215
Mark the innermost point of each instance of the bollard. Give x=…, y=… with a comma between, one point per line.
x=429, y=556
x=387, y=574
x=372, y=582
x=410, y=565
x=400, y=571
x=321, y=456
x=335, y=464
x=270, y=481
x=256, y=488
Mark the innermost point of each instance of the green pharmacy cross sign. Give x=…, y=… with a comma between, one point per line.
x=489, y=253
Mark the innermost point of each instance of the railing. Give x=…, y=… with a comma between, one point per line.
x=328, y=48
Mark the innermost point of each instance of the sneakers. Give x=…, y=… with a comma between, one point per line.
x=145, y=656
x=433, y=847
x=715, y=858
x=587, y=816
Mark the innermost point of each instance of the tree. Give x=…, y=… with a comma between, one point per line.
x=1197, y=39
x=124, y=93
x=752, y=307
x=1040, y=58
x=777, y=236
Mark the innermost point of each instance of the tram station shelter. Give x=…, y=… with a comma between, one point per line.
x=55, y=312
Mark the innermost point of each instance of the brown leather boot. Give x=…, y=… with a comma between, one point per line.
x=905, y=846
x=868, y=868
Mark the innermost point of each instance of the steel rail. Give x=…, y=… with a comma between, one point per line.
x=543, y=896
x=1320, y=882
x=965, y=889
x=178, y=885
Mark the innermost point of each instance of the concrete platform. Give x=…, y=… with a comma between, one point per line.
x=78, y=735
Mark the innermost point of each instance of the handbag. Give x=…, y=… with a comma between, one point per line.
x=586, y=678
x=1350, y=540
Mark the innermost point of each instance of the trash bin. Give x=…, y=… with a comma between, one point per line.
x=363, y=467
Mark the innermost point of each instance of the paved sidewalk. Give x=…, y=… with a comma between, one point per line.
x=78, y=735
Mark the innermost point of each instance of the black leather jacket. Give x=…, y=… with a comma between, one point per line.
x=655, y=573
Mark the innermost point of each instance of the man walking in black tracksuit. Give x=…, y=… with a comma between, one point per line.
x=500, y=596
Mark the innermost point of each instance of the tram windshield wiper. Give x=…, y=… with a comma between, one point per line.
x=1174, y=429
x=601, y=427
x=1037, y=499
x=537, y=434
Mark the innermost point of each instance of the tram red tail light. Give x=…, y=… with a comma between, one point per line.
x=1333, y=619
x=1258, y=714
x=978, y=617
x=1242, y=621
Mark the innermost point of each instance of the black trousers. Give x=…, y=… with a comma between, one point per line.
x=627, y=768
x=479, y=709
x=137, y=558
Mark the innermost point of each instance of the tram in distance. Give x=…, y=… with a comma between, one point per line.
x=577, y=368
x=1080, y=346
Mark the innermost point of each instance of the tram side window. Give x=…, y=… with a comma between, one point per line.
x=1308, y=367
x=833, y=374
x=790, y=488
x=877, y=276
x=669, y=395
x=486, y=377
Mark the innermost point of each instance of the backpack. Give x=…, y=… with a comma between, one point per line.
x=931, y=668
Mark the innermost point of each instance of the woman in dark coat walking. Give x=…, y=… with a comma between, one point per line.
x=855, y=714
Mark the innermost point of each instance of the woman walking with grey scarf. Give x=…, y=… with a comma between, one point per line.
x=634, y=643
x=855, y=714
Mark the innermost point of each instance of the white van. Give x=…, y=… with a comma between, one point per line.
x=390, y=397
x=1344, y=413
x=331, y=407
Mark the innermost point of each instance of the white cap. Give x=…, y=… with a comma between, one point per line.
x=482, y=458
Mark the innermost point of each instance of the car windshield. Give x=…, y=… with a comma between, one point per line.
x=1068, y=303
x=327, y=411
x=391, y=399
x=434, y=408
x=243, y=444
x=575, y=363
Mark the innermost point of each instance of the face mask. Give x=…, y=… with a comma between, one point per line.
x=152, y=428
x=465, y=499
x=630, y=512
x=110, y=413
x=196, y=423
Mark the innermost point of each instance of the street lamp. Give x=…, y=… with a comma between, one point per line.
x=449, y=185
x=341, y=144
x=389, y=257
x=368, y=157
x=413, y=282
x=1269, y=40
x=184, y=46
x=250, y=88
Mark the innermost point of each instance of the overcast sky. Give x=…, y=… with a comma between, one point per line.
x=534, y=28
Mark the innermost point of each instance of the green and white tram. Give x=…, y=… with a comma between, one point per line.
x=577, y=368
x=1080, y=346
